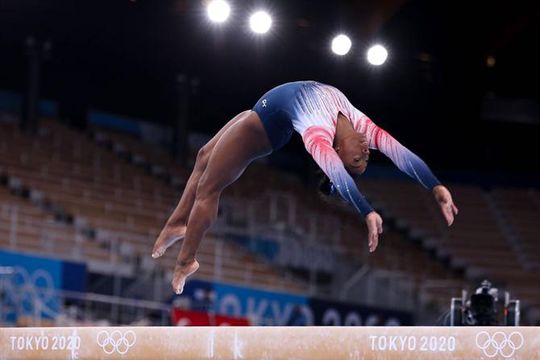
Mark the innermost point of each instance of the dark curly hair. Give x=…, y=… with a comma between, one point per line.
x=327, y=190
x=328, y=193
x=326, y=187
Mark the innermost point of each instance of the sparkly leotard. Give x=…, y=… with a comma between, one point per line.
x=311, y=109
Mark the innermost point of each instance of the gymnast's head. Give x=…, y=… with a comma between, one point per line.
x=353, y=151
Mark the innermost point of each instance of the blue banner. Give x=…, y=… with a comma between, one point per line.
x=113, y=121
x=30, y=285
x=333, y=313
x=282, y=309
x=146, y=131
x=12, y=102
x=73, y=276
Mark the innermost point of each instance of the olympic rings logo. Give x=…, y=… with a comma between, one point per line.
x=30, y=292
x=499, y=343
x=116, y=341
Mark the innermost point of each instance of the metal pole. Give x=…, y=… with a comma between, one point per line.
x=357, y=276
x=218, y=267
x=180, y=125
x=115, y=308
x=13, y=228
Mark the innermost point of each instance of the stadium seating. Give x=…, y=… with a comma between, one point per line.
x=302, y=210
x=121, y=203
x=24, y=226
x=124, y=189
x=478, y=241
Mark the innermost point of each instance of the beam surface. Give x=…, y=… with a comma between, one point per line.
x=366, y=343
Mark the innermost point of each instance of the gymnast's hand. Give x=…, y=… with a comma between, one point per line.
x=374, y=223
x=444, y=198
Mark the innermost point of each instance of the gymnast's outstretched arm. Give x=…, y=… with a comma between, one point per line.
x=412, y=165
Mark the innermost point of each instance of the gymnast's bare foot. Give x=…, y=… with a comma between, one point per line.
x=181, y=272
x=168, y=236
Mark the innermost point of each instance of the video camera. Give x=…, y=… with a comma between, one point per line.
x=483, y=308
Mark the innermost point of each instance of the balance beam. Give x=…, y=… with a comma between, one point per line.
x=369, y=343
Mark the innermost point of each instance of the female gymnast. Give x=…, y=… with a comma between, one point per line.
x=335, y=133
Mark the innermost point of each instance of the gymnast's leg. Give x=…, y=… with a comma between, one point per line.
x=242, y=143
x=175, y=228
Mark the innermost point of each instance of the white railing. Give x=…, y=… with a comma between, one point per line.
x=315, y=250
x=114, y=310
x=380, y=288
x=311, y=254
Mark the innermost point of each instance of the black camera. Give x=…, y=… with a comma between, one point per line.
x=484, y=308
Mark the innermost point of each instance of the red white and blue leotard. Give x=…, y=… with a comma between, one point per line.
x=311, y=109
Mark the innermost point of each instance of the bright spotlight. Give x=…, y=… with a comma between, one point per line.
x=260, y=22
x=377, y=55
x=341, y=45
x=218, y=10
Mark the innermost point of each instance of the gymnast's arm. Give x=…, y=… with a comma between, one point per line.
x=318, y=143
x=412, y=165
x=403, y=158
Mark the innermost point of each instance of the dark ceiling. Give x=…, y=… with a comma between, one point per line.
x=125, y=56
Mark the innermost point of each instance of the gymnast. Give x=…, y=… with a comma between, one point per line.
x=335, y=133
